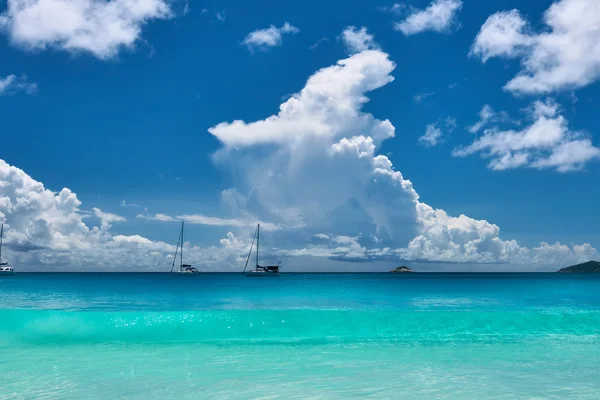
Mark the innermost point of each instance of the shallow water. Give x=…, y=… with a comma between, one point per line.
x=320, y=336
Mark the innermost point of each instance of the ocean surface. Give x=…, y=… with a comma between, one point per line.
x=300, y=336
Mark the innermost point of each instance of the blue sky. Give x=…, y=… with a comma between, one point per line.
x=118, y=109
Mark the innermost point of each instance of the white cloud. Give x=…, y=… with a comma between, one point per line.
x=420, y=97
x=326, y=106
x=99, y=27
x=200, y=219
x=563, y=56
x=45, y=229
x=344, y=248
x=107, y=218
x=463, y=239
x=450, y=123
x=318, y=43
x=439, y=16
x=546, y=143
x=357, y=40
x=501, y=35
x=130, y=205
x=432, y=136
x=396, y=8
x=221, y=15
x=311, y=168
x=12, y=84
x=269, y=37
x=315, y=165
x=488, y=115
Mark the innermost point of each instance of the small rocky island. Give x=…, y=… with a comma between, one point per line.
x=586, y=267
x=401, y=269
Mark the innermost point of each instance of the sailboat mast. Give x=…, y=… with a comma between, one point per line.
x=176, y=250
x=181, y=253
x=1, y=236
x=257, y=242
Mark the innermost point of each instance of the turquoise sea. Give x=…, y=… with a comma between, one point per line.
x=300, y=336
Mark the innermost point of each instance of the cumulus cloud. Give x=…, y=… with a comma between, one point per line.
x=315, y=165
x=546, y=143
x=13, y=84
x=563, y=56
x=46, y=229
x=463, y=239
x=357, y=40
x=313, y=169
x=99, y=27
x=439, y=16
x=107, y=218
x=326, y=106
x=269, y=37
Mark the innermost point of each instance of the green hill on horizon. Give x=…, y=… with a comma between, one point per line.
x=586, y=267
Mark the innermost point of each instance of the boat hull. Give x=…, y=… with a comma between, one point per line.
x=7, y=273
x=261, y=274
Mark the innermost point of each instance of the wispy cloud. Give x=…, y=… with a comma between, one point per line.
x=488, y=115
x=434, y=134
x=200, y=219
x=126, y=204
x=319, y=42
x=13, y=84
x=269, y=37
x=421, y=97
x=396, y=8
x=221, y=15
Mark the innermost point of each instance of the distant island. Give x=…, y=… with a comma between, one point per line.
x=401, y=269
x=590, y=266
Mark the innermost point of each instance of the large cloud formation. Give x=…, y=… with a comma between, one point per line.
x=48, y=229
x=564, y=56
x=314, y=167
x=312, y=173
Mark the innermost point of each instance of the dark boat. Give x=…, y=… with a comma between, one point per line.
x=184, y=269
x=5, y=269
x=260, y=270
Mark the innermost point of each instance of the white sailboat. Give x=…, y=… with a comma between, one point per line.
x=5, y=269
x=185, y=269
x=260, y=271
